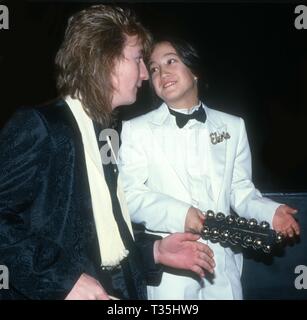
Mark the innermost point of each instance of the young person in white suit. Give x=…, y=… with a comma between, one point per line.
x=185, y=158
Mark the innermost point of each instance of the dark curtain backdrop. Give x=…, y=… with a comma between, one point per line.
x=254, y=60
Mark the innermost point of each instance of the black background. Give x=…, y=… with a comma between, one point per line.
x=253, y=57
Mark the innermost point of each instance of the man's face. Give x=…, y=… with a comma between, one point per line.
x=129, y=72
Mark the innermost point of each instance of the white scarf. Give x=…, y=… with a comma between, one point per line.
x=112, y=249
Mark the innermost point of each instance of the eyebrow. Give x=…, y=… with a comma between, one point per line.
x=165, y=55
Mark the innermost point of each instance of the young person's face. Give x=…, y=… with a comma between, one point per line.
x=172, y=80
x=129, y=72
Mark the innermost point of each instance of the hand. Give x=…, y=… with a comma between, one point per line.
x=194, y=220
x=87, y=288
x=284, y=222
x=182, y=251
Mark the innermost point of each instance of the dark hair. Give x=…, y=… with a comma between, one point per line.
x=189, y=56
x=186, y=52
x=93, y=41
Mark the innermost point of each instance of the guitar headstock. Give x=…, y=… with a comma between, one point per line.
x=237, y=230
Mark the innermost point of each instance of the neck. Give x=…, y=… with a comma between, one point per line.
x=187, y=103
x=186, y=106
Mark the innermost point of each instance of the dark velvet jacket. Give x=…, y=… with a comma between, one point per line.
x=47, y=231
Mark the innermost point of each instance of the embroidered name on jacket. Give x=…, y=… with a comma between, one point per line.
x=217, y=138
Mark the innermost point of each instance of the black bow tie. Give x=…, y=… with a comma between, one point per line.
x=182, y=119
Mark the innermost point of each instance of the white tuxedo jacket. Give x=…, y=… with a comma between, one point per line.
x=153, y=174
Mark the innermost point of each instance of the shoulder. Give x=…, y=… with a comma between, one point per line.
x=220, y=118
x=154, y=118
x=32, y=116
x=143, y=120
x=24, y=136
x=140, y=126
x=25, y=121
x=35, y=123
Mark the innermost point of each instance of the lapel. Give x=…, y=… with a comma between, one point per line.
x=161, y=129
x=120, y=189
x=106, y=225
x=91, y=149
x=216, y=152
x=90, y=145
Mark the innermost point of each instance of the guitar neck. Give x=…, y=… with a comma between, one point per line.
x=235, y=230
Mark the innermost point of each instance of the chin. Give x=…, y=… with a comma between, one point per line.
x=130, y=102
x=127, y=102
x=170, y=98
x=170, y=102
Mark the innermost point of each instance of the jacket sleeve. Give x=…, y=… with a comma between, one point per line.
x=245, y=199
x=157, y=211
x=39, y=267
x=145, y=244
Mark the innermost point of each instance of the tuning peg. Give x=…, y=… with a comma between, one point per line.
x=264, y=225
x=214, y=234
x=220, y=216
x=248, y=241
x=252, y=223
x=279, y=237
x=230, y=219
x=205, y=233
x=257, y=244
x=210, y=214
x=236, y=238
x=241, y=221
x=266, y=248
x=225, y=235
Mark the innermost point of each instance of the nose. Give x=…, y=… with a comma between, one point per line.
x=163, y=71
x=143, y=71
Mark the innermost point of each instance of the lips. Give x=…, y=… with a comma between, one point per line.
x=168, y=84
